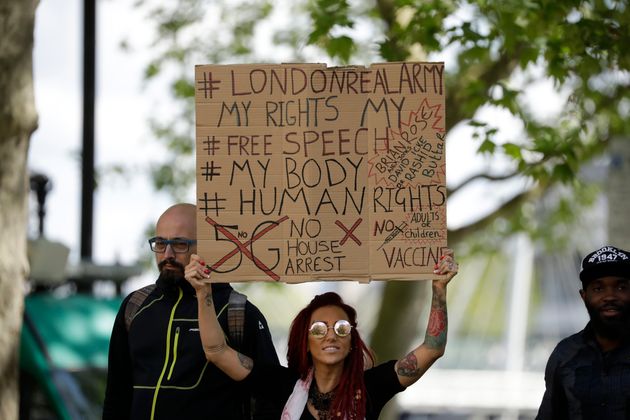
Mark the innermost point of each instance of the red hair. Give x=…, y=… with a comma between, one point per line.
x=349, y=401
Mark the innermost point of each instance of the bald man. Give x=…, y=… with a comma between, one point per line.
x=157, y=367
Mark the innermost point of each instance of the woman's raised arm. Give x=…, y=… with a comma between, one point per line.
x=234, y=364
x=411, y=367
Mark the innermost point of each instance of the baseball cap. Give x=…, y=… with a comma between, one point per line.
x=606, y=261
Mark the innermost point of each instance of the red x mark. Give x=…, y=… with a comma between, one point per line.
x=349, y=233
x=243, y=246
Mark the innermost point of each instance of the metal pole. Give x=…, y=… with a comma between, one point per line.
x=518, y=309
x=89, y=78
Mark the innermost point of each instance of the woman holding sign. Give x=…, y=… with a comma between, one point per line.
x=326, y=377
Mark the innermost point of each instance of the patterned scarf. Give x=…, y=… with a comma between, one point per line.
x=296, y=403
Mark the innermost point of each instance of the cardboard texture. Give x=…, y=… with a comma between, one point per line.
x=312, y=173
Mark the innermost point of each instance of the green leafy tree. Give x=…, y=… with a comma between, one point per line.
x=494, y=50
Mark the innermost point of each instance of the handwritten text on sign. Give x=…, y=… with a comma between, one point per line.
x=312, y=173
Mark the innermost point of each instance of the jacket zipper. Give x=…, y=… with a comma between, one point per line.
x=170, y=372
x=168, y=353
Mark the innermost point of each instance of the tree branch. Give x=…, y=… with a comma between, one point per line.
x=507, y=208
x=485, y=176
x=489, y=73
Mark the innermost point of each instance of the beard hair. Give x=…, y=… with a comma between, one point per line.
x=168, y=277
x=611, y=328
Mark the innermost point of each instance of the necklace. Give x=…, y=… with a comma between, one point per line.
x=321, y=401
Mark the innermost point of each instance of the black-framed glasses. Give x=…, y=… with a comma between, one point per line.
x=178, y=245
x=319, y=329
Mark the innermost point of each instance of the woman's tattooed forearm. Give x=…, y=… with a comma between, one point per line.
x=246, y=362
x=438, y=322
x=215, y=349
x=208, y=299
x=408, y=366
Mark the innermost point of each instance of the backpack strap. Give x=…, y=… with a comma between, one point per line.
x=134, y=303
x=236, y=318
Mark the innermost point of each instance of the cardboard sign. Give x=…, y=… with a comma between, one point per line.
x=312, y=173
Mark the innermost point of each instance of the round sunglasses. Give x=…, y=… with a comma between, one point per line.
x=319, y=329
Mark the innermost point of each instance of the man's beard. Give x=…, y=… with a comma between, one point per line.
x=171, y=277
x=614, y=328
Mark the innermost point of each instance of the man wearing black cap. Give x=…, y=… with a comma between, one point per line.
x=588, y=373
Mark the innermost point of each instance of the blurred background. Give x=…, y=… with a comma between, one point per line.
x=538, y=160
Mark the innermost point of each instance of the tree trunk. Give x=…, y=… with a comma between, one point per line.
x=618, y=191
x=18, y=120
x=395, y=333
x=397, y=327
